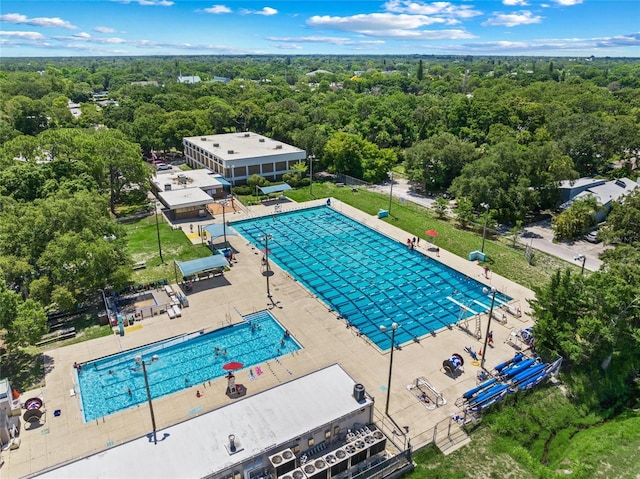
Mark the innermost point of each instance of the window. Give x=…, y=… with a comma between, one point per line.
x=327, y=434
x=336, y=431
x=296, y=449
x=311, y=441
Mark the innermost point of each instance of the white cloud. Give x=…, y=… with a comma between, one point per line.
x=218, y=9
x=513, y=3
x=370, y=22
x=266, y=11
x=288, y=46
x=23, y=35
x=512, y=19
x=81, y=36
x=330, y=40
x=104, y=29
x=147, y=3
x=439, y=9
x=36, y=22
x=568, y=3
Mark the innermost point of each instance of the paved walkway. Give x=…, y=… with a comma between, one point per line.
x=325, y=339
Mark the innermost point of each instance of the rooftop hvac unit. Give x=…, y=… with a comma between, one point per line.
x=351, y=451
x=297, y=474
x=204, y=138
x=261, y=140
x=361, y=453
x=337, y=461
x=167, y=187
x=216, y=144
x=230, y=152
x=283, y=462
x=247, y=135
x=379, y=443
x=278, y=147
x=316, y=469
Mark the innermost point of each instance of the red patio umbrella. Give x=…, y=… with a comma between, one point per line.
x=431, y=233
x=232, y=366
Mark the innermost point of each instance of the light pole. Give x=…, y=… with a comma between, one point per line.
x=142, y=363
x=394, y=327
x=484, y=229
x=311, y=158
x=390, y=191
x=267, y=271
x=582, y=258
x=486, y=336
x=158, y=233
x=224, y=221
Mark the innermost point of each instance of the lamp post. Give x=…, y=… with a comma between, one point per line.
x=224, y=221
x=267, y=271
x=582, y=258
x=158, y=233
x=390, y=191
x=484, y=229
x=143, y=363
x=394, y=327
x=486, y=336
x=311, y=158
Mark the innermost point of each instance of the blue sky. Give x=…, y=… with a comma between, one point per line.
x=179, y=27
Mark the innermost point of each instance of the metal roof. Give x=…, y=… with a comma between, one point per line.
x=274, y=189
x=188, y=268
x=198, y=447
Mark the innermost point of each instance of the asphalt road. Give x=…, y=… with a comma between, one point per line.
x=538, y=235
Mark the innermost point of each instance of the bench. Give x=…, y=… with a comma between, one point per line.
x=59, y=335
x=139, y=265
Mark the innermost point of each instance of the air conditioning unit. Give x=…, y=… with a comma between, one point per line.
x=337, y=461
x=361, y=452
x=247, y=135
x=231, y=152
x=297, y=474
x=216, y=144
x=283, y=462
x=278, y=147
x=379, y=444
x=316, y=469
x=204, y=138
x=261, y=140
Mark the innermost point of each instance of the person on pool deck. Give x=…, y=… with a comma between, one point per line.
x=199, y=394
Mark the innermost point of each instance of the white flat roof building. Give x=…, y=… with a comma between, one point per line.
x=319, y=407
x=237, y=156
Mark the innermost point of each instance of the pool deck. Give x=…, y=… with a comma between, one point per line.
x=216, y=302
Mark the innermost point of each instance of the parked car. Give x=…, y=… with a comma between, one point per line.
x=163, y=166
x=592, y=237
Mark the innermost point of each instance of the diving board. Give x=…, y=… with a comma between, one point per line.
x=462, y=306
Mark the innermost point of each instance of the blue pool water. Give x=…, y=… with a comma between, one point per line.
x=183, y=361
x=367, y=277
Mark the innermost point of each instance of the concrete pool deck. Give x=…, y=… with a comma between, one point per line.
x=220, y=301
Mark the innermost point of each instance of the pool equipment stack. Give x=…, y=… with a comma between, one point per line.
x=453, y=364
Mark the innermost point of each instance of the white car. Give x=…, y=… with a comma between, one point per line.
x=163, y=166
x=592, y=237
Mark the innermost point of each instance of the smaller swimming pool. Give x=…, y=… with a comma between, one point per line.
x=114, y=383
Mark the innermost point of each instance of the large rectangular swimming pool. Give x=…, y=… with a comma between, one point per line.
x=370, y=279
x=113, y=383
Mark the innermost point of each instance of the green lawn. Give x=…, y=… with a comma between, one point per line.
x=142, y=239
x=502, y=257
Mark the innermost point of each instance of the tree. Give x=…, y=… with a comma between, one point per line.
x=420, y=73
x=29, y=325
x=623, y=221
x=464, y=211
x=440, y=206
x=572, y=222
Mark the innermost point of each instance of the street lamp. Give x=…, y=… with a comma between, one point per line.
x=486, y=336
x=582, y=258
x=158, y=233
x=390, y=191
x=394, y=327
x=143, y=363
x=311, y=158
x=484, y=229
x=267, y=271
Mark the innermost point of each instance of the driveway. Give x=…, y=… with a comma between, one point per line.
x=538, y=235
